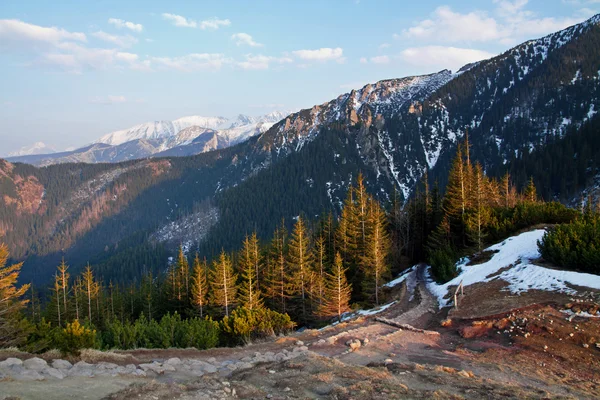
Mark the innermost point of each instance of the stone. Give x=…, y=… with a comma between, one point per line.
x=35, y=363
x=365, y=342
x=174, y=361
x=388, y=361
x=280, y=357
x=61, y=364
x=244, y=365
x=83, y=364
x=81, y=371
x=465, y=374
x=212, y=360
x=106, y=365
x=53, y=372
x=354, y=344
x=11, y=361
x=154, y=367
x=28, y=375
x=585, y=345
x=299, y=343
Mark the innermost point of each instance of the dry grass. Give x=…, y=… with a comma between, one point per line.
x=93, y=356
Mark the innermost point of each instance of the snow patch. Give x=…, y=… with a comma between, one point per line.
x=516, y=251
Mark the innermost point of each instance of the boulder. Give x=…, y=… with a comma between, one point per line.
x=54, y=373
x=175, y=361
x=106, y=365
x=354, y=344
x=61, y=364
x=35, y=363
x=10, y=362
x=28, y=375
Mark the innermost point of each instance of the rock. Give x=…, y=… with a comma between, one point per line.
x=212, y=360
x=83, y=364
x=35, y=363
x=585, y=345
x=365, y=342
x=287, y=389
x=446, y=323
x=272, y=371
x=156, y=367
x=388, y=361
x=243, y=365
x=174, y=361
x=61, y=364
x=106, y=365
x=354, y=344
x=466, y=374
x=280, y=357
x=55, y=373
x=28, y=375
x=299, y=343
x=11, y=361
x=82, y=370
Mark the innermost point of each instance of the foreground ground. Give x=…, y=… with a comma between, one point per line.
x=531, y=347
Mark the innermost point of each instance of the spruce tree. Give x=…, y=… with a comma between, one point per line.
x=63, y=276
x=223, y=283
x=11, y=300
x=278, y=287
x=336, y=299
x=199, y=285
x=248, y=266
x=375, y=261
x=300, y=261
x=89, y=289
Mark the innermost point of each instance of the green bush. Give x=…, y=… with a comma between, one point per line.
x=170, y=331
x=244, y=325
x=507, y=221
x=75, y=337
x=443, y=264
x=575, y=245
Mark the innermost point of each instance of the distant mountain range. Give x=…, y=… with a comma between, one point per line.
x=183, y=137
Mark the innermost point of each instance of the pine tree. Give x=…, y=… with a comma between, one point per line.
x=248, y=265
x=320, y=262
x=11, y=301
x=455, y=201
x=300, y=262
x=199, y=284
x=530, y=193
x=508, y=192
x=278, y=287
x=336, y=299
x=375, y=261
x=57, y=290
x=64, y=283
x=479, y=217
x=223, y=283
x=90, y=288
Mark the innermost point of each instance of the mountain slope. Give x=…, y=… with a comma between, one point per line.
x=392, y=131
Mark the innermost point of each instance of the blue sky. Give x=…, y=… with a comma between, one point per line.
x=71, y=71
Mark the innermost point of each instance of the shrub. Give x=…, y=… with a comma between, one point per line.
x=575, y=245
x=244, y=324
x=443, y=264
x=75, y=337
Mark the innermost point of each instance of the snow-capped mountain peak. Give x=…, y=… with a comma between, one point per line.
x=36, y=148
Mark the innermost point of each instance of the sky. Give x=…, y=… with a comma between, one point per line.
x=72, y=71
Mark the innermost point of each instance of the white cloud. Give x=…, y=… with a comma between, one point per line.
x=16, y=32
x=363, y=60
x=119, y=23
x=384, y=46
x=439, y=57
x=509, y=24
x=323, y=54
x=261, y=62
x=121, y=41
x=214, y=23
x=192, y=62
x=210, y=24
x=75, y=58
x=245, y=39
x=108, y=100
x=380, y=60
x=179, y=21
